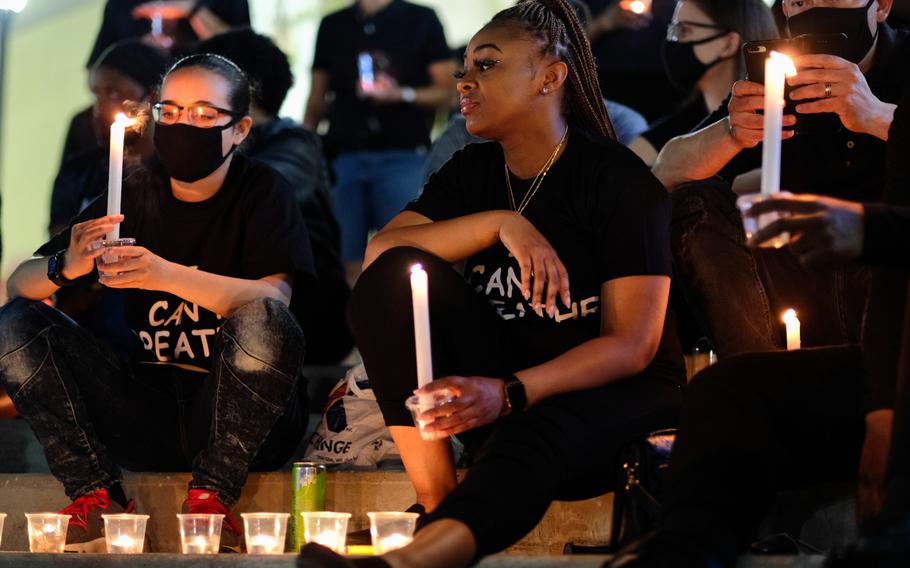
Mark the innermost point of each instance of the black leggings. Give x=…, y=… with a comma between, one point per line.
x=565, y=447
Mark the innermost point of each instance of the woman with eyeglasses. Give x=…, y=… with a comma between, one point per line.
x=703, y=57
x=212, y=382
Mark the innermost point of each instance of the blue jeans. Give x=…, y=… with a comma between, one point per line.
x=93, y=413
x=739, y=294
x=371, y=188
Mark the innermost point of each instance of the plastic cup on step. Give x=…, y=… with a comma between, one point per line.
x=391, y=531
x=47, y=531
x=124, y=534
x=420, y=404
x=752, y=225
x=326, y=528
x=265, y=532
x=200, y=534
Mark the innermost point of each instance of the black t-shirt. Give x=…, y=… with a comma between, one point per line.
x=118, y=23
x=250, y=229
x=404, y=40
x=681, y=121
x=842, y=163
x=604, y=213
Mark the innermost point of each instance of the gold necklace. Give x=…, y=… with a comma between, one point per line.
x=538, y=179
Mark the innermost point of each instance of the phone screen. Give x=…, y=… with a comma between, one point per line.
x=365, y=70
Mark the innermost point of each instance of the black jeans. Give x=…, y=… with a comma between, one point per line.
x=756, y=424
x=93, y=413
x=738, y=295
x=565, y=447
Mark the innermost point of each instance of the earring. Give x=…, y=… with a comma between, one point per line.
x=545, y=90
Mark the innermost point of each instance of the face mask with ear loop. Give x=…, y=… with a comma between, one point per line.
x=682, y=66
x=189, y=153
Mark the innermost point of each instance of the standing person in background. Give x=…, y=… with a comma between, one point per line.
x=703, y=58
x=379, y=122
x=627, y=47
x=296, y=153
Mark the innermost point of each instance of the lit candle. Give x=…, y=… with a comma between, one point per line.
x=793, y=330
x=637, y=7
x=393, y=542
x=777, y=68
x=199, y=545
x=422, y=345
x=123, y=544
x=263, y=544
x=115, y=173
x=330, y=539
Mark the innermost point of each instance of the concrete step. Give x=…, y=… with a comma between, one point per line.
x=160, y=495
x=25, y=560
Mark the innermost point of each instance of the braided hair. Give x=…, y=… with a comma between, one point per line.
x=555, y=25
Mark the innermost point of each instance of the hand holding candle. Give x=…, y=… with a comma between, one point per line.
x=115, y=173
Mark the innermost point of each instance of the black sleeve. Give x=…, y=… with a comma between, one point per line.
x=435, y=47
x=632, y=220
x=276, y=239
x=746, y=161
x=443, y=196
x=883, y=329
x=887, y=235
x=321, y=56
x=66, y=196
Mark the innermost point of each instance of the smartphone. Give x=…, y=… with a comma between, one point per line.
x=756, y=52
x=365, y=71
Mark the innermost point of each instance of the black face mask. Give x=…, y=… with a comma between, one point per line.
x=681, y=65
x=190, y=153
x=851, y=21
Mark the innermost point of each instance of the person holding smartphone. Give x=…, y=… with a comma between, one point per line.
x=740, y=294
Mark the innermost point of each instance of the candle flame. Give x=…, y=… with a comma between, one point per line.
x=416, y=268
x=123, y=120
x=790, y=316
x=785, y=62
x=638, y=7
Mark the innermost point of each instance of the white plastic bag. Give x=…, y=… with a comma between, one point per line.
x=352, y=432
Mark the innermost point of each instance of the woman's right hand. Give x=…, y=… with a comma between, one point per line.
x=80, y=258
x=537, y=261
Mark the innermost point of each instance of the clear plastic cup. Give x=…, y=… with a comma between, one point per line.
x=391, y=531
x=200, y=534
x=110, y=251
x=124, y=534
x=326, y=528
x=420, y=404
x=47, y=531
x=752, y=224
x=265, y=532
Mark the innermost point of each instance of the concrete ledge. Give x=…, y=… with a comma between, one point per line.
x=23, y=560
x=160, y=495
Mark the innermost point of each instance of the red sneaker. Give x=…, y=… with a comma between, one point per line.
x=86, y=527
x=203, y=501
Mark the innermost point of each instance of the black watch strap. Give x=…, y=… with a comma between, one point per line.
x=516, y=396
x=55, y=269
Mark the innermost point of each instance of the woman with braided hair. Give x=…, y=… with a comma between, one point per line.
x=555, y=343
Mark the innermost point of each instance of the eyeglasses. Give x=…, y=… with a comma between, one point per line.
x=203, y=116
x=682, y=30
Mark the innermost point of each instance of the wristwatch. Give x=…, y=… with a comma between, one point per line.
x=408, y=94
x=55, y=269
x=515, y=395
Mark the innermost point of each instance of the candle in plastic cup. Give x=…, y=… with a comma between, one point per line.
x=200, y=534
x=265, y=532
x=420, y=404
x=794, y=341
x=326, y=528
x=47, y=531
x=110, y=251
x=124, y=534
x=752, y=225
x=391, y=531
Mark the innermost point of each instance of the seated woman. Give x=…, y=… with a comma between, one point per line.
x=558, y=347
x=703, y=57
x=212, y=383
